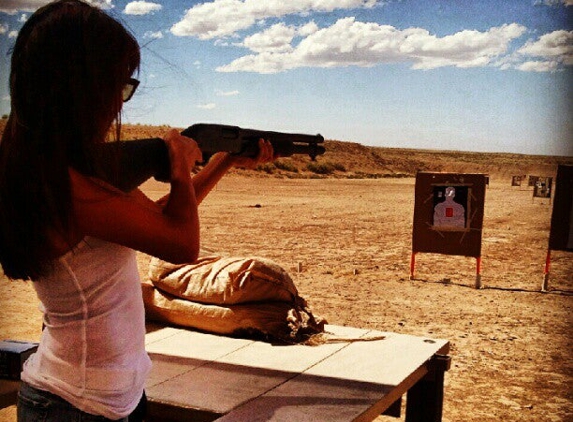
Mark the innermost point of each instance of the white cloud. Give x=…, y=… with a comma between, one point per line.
x=3, y=28
x=227, y=93
x=554, y=2
x=12, y=7
x=23, y=18
x=277, y=39
x=12, y=34
x=221, y=43
x=153, y=35
x=104, y=4
x=538, y=66
x=141, y=8
x=222, y=18
x=557, y=46
x=308, y=29
x=209, y=106
x=465, y=48
x=352, y=43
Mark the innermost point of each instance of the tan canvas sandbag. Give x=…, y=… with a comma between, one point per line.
x=231, y=296
x=224, y=280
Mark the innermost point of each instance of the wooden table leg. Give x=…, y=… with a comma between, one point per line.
x=424, y=401
x=395, y=409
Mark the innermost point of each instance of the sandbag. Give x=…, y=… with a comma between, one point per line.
x=224, y=280
x=230, y=296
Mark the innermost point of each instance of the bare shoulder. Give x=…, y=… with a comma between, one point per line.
x=85, y=188
x=89, y=188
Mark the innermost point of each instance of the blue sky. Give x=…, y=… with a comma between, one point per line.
x=481, y=75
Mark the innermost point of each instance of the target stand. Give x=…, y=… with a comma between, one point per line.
x=448, y=216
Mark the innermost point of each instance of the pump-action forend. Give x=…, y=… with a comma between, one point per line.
x=142, y=159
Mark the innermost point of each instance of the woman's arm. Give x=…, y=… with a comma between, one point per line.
x=219, y=164
x=209, y=176
x=170, y=232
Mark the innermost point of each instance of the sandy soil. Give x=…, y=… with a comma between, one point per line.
x=510, y=344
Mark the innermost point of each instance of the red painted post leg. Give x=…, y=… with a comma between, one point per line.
x=478, y=273
x=412, y=265
x=546, y=271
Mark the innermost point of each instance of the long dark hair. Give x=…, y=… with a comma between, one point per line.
x=69, y=65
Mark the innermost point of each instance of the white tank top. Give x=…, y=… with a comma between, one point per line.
x=92, y=351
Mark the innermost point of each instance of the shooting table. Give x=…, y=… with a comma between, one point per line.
x=203, y=377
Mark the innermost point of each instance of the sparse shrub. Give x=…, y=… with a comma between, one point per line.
x=326, y=167
x=339, y=167
x=320, y=168
x=268, y=168
x=286, y=166
x=316, y=176
x=364, y=175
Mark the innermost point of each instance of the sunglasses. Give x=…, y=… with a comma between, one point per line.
x=129, y=89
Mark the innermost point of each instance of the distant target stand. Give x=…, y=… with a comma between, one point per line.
x=561, y=232
x=448, y=216
x=516, y=180
x=542, y=187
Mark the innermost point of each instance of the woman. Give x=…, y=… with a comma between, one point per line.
x=75, y=236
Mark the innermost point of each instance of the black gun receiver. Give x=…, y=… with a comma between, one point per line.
x=142, y=159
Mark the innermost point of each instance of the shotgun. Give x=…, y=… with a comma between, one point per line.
x=139, y=160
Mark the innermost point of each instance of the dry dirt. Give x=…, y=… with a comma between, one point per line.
x=510, y=343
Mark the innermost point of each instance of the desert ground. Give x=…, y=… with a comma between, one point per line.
x=344, y=232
